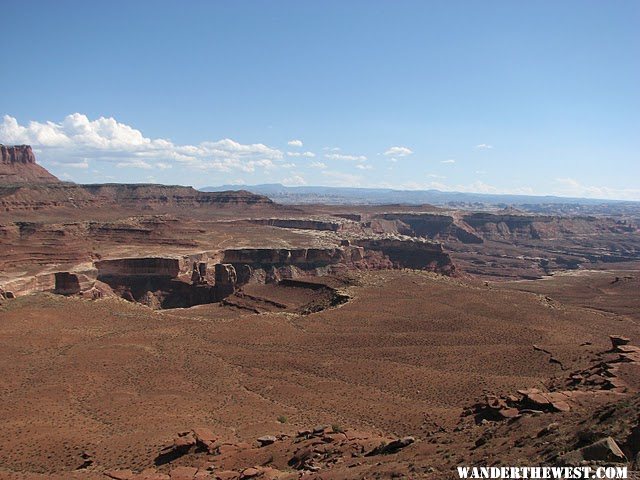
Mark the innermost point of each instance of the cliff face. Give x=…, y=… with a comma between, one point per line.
x=18, y=165
x=542, y=227
x=17, y=154
x=34, y=197
x=139, y=267
x=150, y=195
x=299, y=223
x=431, y=225
x=411, y=253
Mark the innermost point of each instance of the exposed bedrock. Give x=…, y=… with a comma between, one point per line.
x=17, y=154
x=145, y=267
x=267, y=265
x=411, y=253
x=299, y=223
x=33, y=197
x=536, y=227
x=211, y=276
x=226, y=278
x=162, y=282
x=68, y=283
x=431, y=225
x=312, y=257
x=80, y=279
x=18, y=166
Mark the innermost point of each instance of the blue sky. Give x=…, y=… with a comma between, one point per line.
x=538, y=97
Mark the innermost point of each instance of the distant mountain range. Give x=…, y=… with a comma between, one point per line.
x=380, y=196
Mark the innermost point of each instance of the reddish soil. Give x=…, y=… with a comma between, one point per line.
x=405, y=356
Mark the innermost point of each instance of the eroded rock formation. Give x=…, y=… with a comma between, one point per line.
x=18, y=154
x=299, y=223
x=139, y=267
x=33, y=197
x=411, y=253
x=431, y=225
x=18, y=165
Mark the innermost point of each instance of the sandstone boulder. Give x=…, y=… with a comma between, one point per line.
x=392, y=447
x=618, y=340
x=266, y=440
x=605, y=450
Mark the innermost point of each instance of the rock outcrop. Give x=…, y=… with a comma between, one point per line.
x=299, y=223
x=139, y=267
x=323, y=450
x=134, y=197
x=407, y=252
x=18, y=165
x=311, y=257
x=431, y=225
x=69, y=283
x=18, y=154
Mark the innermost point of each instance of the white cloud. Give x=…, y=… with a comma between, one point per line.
x=451, y=160
x=83, y=164
x=77, y=139
x=433, y=175
x=295, y=143
x=573, y=188
x=349, y=158
x=294, y=180
x=364, y=167
x=398, y=152
x=340, y=179
x=301, y=154
x=135, y=163
x=318, y=165
x=331, y=149
x=483, y=146
x=474, y=187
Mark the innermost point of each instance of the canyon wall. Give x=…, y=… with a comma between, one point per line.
x=411, y=253
x=35, y=197
x=498, y=226
x=431, y=225
x=139, y=267
x=18, y=154
x=299, y=223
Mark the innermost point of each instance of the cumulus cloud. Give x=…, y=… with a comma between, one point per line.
x=348, y=158
x=134, y=163
x=301, y=154
x=483, y=146
x=451, y=160
x=294, y=180
x=573, y=188
x=77, y=139
x=321, y=165
x=341, y=179
x=364, y=167
x=295, y=143
x=83, y=164
x=398, y=152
